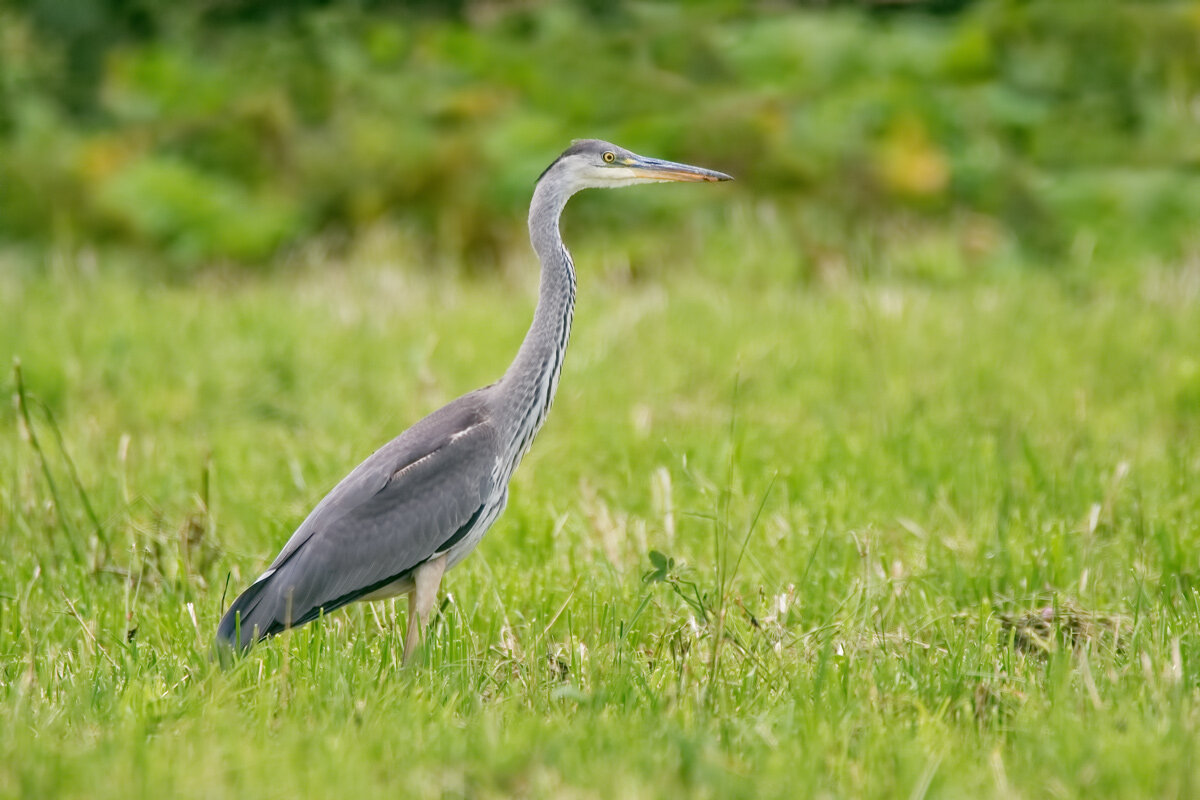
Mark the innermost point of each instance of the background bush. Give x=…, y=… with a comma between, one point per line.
x=202, y=131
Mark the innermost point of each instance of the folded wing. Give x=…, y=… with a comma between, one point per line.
x=405, y=503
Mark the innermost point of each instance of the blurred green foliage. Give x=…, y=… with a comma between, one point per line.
x=225, y=131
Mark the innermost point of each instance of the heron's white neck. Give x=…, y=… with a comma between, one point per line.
x=528, y=386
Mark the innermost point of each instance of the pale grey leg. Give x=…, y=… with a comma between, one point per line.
x=426, y=580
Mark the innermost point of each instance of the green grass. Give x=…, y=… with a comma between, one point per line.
x=969, y=504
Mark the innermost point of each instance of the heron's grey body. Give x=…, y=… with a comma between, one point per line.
x=421, y=503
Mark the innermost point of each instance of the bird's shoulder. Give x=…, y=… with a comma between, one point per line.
x=467, y=424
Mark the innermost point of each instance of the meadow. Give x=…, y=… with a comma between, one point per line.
x=871, y=474
x=866, y=536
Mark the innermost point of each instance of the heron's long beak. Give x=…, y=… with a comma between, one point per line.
x=657, y=170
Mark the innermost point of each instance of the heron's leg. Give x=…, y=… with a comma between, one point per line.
x=426, y=580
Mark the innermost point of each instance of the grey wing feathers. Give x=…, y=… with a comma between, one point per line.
x=394, y=511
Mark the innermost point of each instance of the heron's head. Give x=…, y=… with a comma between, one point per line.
x=592, y=163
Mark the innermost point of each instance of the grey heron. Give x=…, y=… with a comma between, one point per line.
x=421, y=503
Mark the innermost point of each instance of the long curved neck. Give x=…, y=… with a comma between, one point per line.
x=528, y=386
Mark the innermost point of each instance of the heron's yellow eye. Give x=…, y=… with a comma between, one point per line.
x=610, y=157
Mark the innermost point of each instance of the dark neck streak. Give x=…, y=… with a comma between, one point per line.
x=531, y=380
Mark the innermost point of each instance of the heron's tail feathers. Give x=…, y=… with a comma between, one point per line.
x=248, y=619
